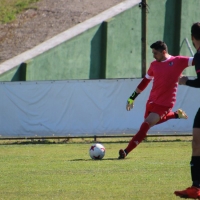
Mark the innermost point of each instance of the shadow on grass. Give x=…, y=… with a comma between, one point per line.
x=86, y=141
x=55, y=142
x=74, y=160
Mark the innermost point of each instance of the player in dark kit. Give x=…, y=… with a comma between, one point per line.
x=193, y=192
x=165, y=72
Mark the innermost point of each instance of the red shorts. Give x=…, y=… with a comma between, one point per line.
x=155, y=108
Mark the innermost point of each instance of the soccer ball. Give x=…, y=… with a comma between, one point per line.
x=97, y=151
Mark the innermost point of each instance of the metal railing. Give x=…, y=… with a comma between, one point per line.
x=94, y=137
x=188, y=45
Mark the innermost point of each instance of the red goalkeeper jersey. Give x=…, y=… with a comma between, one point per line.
x=165, y=79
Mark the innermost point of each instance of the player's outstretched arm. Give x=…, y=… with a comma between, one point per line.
x=192, y=83
x=182, y=80
x=130, y=102
x=196, y=82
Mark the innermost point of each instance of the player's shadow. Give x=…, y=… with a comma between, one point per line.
x=96, y=160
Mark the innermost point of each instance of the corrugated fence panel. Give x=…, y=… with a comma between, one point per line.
x=82, y=107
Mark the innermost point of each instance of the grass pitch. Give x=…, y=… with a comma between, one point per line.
x=65, y=171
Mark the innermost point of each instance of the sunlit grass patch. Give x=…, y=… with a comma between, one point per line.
x=10, y=8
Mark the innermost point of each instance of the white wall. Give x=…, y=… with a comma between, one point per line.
x=83, y=107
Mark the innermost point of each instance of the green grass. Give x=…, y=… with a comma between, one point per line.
x=10, y=8
x=65, y=171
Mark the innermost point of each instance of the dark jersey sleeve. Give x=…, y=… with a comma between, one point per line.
x=195, y=82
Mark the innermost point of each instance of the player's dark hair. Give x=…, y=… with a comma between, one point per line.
x=195, y=30
x=159, y=46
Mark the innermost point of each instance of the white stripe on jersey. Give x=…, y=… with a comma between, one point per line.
x=190, y=61
x=149, y=77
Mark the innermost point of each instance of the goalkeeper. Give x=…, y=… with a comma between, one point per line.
x=165, y=72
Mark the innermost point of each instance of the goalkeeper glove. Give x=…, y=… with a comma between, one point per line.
x=129, y=104
x=130, y=101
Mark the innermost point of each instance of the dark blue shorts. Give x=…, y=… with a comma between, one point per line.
x=197, y=120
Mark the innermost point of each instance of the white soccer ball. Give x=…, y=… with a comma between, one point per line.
x=97, y=151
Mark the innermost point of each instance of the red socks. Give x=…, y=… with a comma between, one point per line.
x=140, y=135
x=170, y=115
